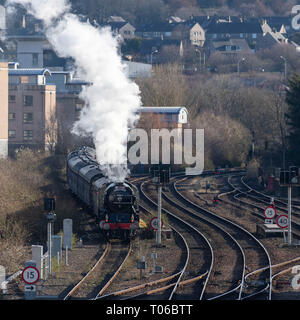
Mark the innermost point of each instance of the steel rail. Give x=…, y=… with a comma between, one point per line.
x=191, y=227
x=78, y=285
x=236, y=197
x=109, y=282
x=178, y=194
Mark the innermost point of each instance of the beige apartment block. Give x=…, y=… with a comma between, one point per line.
x=3, y=109
x=32, y=116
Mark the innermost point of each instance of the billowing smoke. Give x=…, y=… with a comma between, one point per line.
x=112, y=100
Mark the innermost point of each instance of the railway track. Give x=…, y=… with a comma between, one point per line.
x=99, y=278
x=241, y=192
x=255, y=280
x=252, y=248
x=194, y=280
x=278, y=269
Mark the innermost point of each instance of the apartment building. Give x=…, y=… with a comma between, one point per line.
x=31, y=110
x=68, y=104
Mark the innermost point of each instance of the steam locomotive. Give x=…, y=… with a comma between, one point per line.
x=114, y=203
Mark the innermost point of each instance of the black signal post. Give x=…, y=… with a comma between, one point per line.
x=290, y=178
x=161, y=176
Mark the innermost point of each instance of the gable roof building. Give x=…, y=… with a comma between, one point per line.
x=122, y=28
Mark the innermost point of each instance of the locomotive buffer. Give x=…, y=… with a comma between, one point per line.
x=160, y=175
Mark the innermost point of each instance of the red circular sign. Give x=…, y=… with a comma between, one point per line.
x=154, y=223
x=270, y=212
x=30, y=275
x=282, y=221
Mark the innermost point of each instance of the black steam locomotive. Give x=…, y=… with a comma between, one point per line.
x=114, y=203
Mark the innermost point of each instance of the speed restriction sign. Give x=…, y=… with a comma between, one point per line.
x=154, y=223
x=282, y=221
x=30, y=275
x=270, y=212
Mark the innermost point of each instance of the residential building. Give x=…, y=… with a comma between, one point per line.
x=155, y=31
x=3, y=109
x=230, y=47
x=191, y=32
x=235, y=30
x=122, y=28
x=32, y=110
x=280, y=24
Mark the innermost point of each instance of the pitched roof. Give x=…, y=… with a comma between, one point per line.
x=29, y=72
x=116, y=24
x=174, y=110
x=161, y=27
x=235, y=27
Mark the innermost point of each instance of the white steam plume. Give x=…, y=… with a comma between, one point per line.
x=112, y=101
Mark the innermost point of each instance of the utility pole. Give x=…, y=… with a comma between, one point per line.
x=238, y=65
x=285, y=66
x=289, y=215
x=49, y=205
x=158, y=237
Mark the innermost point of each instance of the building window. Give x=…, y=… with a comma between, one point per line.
x=11, y=98
x=35, y=59
x=28, y=134
x=24, y=79
x=241, y=35
x=214, y=35
x=28, y=101
x=28, y=117
x=11, y=116
x=254, y=35
x=11, y=133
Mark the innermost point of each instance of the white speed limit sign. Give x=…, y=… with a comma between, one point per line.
x=282, y=221
x=270, y=212
x=30, y=275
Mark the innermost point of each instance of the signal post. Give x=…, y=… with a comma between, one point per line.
x=290, y=179
x=161, y=176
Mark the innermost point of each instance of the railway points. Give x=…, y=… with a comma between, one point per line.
x=252, y=285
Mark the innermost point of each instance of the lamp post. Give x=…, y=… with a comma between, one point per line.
x=285, y=66
x=151, y=55
x=238, y=65
x=200, y=58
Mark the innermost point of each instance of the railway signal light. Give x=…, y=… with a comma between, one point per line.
x=215, y=200
x=160, y=174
